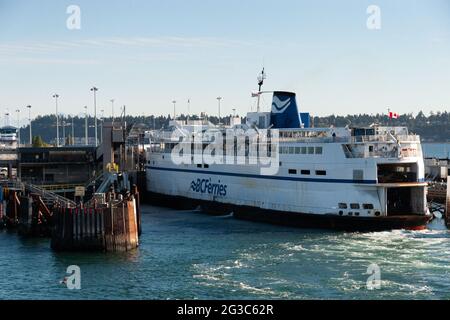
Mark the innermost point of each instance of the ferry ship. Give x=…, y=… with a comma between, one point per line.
x=8, y=137
x=352, y=178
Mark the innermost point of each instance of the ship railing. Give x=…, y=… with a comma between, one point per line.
x=349, y=153
x=385, y=138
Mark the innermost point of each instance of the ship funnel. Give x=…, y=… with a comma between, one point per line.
x=284, y=113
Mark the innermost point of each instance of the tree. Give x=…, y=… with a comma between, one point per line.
x=38, y=142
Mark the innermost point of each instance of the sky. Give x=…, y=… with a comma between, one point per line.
x=145, y=54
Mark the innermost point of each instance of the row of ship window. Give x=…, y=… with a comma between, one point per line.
x=356, y=206
x=307, y=172
x=301, y=150
x=168, y=147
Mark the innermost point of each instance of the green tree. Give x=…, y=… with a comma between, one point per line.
x=38, y=142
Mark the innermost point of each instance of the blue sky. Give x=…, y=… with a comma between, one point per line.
x=145, y=54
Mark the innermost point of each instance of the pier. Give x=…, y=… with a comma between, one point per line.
x=82, y=198
x=447, y=205
x=437, y=172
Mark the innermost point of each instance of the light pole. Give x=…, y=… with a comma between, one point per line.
x=7, y=118
x=219, y=99
x=94, y=90
x=18, y=125
x=56, y=96
x=112, y=110
x=189, y=108
x=174, y=108
x=86, y=134
x=73, y=133
x=101, y=125
x=29, y=119
x=64, y=132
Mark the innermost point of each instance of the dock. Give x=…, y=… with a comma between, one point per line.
x=437, y=172
x=82, y=198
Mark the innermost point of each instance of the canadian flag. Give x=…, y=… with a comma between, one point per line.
x=255, y=94
x=393, y=115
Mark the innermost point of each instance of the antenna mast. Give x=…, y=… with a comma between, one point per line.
x=261, y=79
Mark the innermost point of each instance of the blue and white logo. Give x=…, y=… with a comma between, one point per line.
x=279, y=106
x=205, y=186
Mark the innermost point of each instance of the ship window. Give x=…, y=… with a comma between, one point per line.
x=206, y=166
x=247, y=146
x=297, y=150
x=310, y=150
x=321, y=173
x=319, y=150
x=342, y=205
x=368, y=206
x=303, y=150
x=280, y=149
x=306, y=172
x=292, y=171
x=291, y=150
x=370, y=148
x=199, y=165
x=354, y=205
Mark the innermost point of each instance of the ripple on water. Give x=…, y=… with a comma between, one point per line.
x=190, y=255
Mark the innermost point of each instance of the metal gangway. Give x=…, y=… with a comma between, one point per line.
x=48, y=196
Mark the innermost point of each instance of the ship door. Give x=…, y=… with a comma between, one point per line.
x=398, y=201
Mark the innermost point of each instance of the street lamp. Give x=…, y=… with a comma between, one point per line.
x=101, y=125
x=73, y=132
x=7, y=118
x=219, y=99
x=29, y=119
x=56, y=96
x=94, y=90
x=64, y=131
x=112, y=110
x=18, y=125
x=86, y=134
x=174, y=108
x=189, y=108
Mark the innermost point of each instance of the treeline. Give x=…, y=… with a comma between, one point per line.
x=432, y=128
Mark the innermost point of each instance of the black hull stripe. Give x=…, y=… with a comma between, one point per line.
x=255, y=176
x=293, y=219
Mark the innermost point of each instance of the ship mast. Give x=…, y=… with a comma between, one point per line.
x=261, y=79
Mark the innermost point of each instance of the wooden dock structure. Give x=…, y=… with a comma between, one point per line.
x=111, y=227
x=447, y=204
x=109, y=222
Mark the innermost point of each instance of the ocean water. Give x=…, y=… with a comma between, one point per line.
x=191, y=255
x=436, y=150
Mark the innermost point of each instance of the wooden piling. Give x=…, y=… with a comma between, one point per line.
x=109, y=228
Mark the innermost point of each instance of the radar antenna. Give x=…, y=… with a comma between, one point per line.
x=261, y=79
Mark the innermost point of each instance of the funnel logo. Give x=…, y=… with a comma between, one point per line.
x=279, y=106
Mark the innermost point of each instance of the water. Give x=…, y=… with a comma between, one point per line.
x=189, y=255
x=436, y=150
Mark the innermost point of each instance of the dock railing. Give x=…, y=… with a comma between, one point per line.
x=49, y=196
